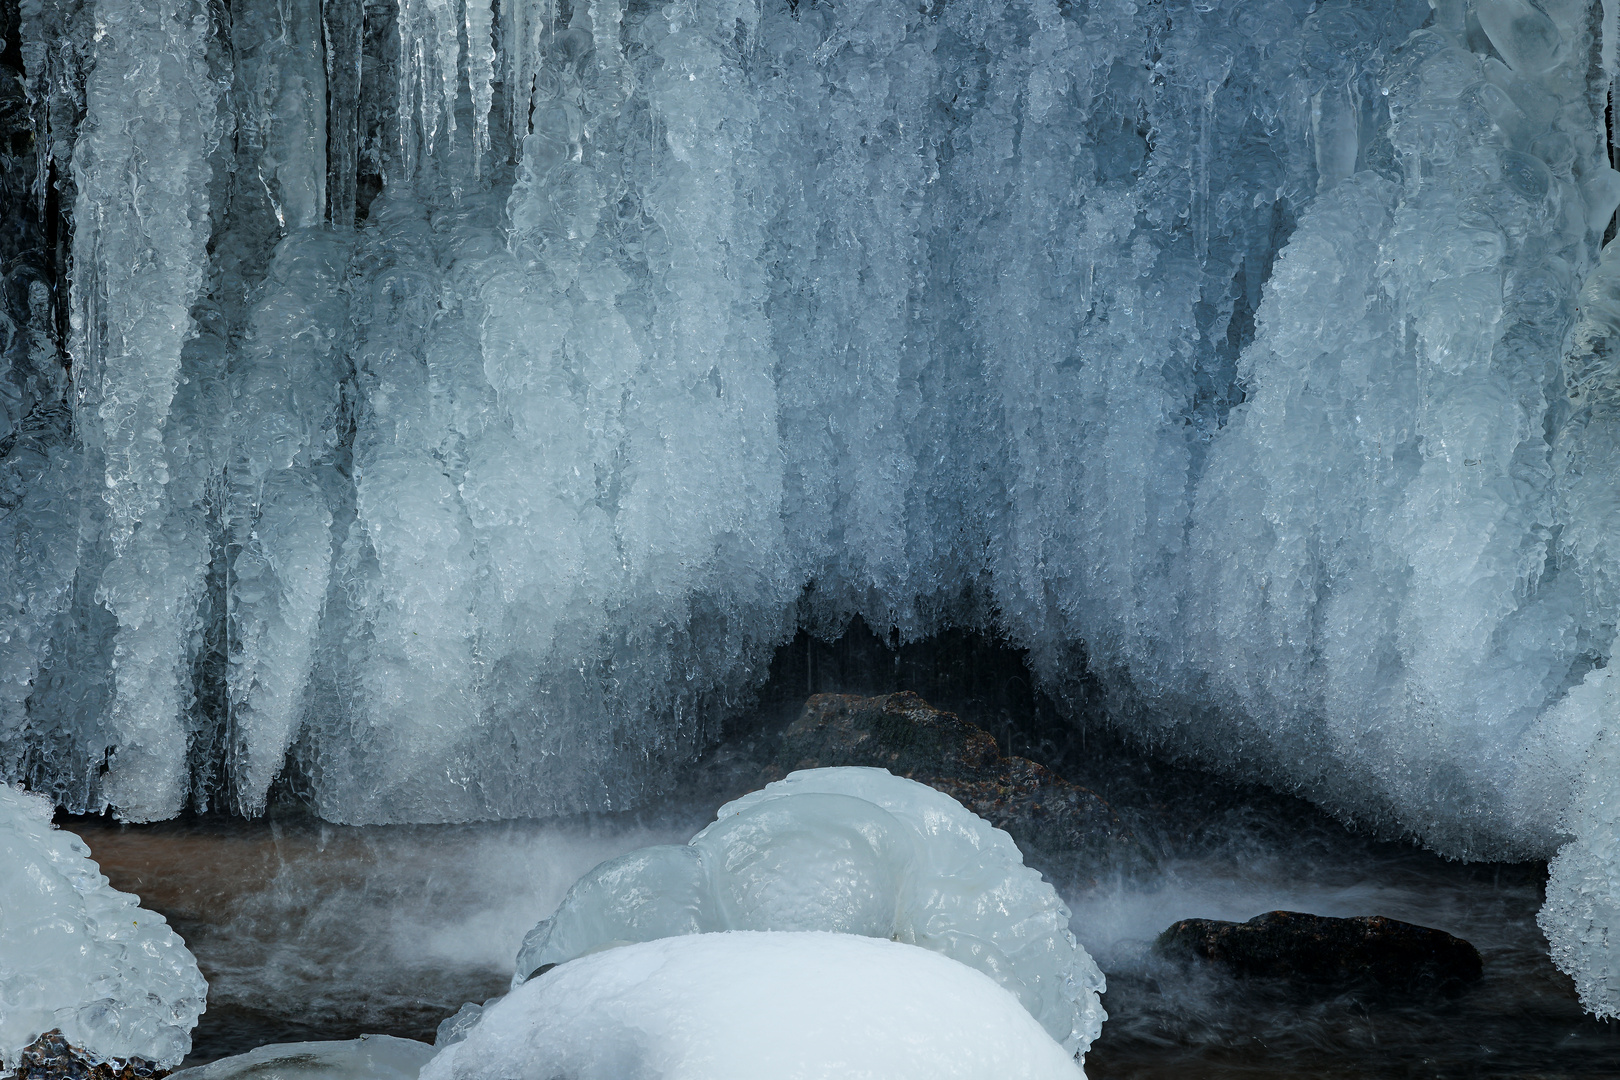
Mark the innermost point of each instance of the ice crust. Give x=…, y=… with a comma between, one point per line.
x=850, y=851
x=1252, y=358
x=78, y=955
x=747, y=1004
x=370, y=1057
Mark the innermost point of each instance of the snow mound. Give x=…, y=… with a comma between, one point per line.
x=370, y=1057
x=748, y=1004
x=81, y=956
x=854, y=851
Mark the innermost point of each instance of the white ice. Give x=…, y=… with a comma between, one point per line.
x=80, y=956
x=853, y=851
x=729, y=1006
x=370, y=1057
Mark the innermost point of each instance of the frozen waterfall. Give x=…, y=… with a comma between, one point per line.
x=444, y=408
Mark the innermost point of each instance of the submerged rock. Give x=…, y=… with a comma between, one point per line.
x=1326, y=952
x=52, y=1057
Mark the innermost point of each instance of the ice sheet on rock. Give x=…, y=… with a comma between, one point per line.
x=853, y=851
x=78, y=955
x=370, y=1057
x=748, y=1004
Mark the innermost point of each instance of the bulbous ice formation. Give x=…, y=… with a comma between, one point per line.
x=742, y=1005
x=854, y=851
x=80, y=956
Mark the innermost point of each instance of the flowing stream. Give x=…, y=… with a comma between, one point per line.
x=307, y=930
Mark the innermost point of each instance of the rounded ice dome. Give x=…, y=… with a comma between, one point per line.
x=855, y=851
x=80, y=956
x=741, y=1005
x=815, y=862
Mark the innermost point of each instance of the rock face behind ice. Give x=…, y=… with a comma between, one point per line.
x=904, y=734
x=852, y=850
x=739, y=1006
x=82, y=957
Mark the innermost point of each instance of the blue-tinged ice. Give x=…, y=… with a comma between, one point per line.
x=851, y=851
x=1249, y=358
x=79, y=956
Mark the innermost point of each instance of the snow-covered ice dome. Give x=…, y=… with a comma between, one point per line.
x=729, y=1006
x=79, y=955
x=370, y=1057
x=855, y=851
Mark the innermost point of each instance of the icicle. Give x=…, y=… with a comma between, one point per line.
x=480, y=74
x=524, y=25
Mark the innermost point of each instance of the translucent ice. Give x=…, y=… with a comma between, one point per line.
x=370, y=1057
x=78, y=955
x=747, y=1004
x=1250, y=358
x=850, y=850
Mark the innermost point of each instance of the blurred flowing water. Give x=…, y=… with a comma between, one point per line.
x=306, y=930
x=312, y=931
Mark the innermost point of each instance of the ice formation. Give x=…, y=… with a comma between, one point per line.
x=852, y=851
x=813, y=1006
x=1252, y=356
x=370, y=1057
x=80, y=956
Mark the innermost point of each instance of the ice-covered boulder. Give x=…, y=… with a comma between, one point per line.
x=80, y=956
x=370, y=1057
x=850, y=850
x=745, y=1005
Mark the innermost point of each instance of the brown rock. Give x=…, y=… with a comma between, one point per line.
x=52, y=1057
x=1329, y=953
x=904, y=734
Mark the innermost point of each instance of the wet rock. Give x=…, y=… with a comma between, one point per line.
x=1045, y=814
x=1327, y=953
x=52, y=1057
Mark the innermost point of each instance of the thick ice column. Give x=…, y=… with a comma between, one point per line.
x=142, y=167
x=394, y=729
x=701, y=506
x=1386, y=489
x=850, y=186
x=480, y=28
x=285, y=384
x=39, y=555
x=1578, y=740
x=1062, y=293
x=142, y=221
x=283, y=112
